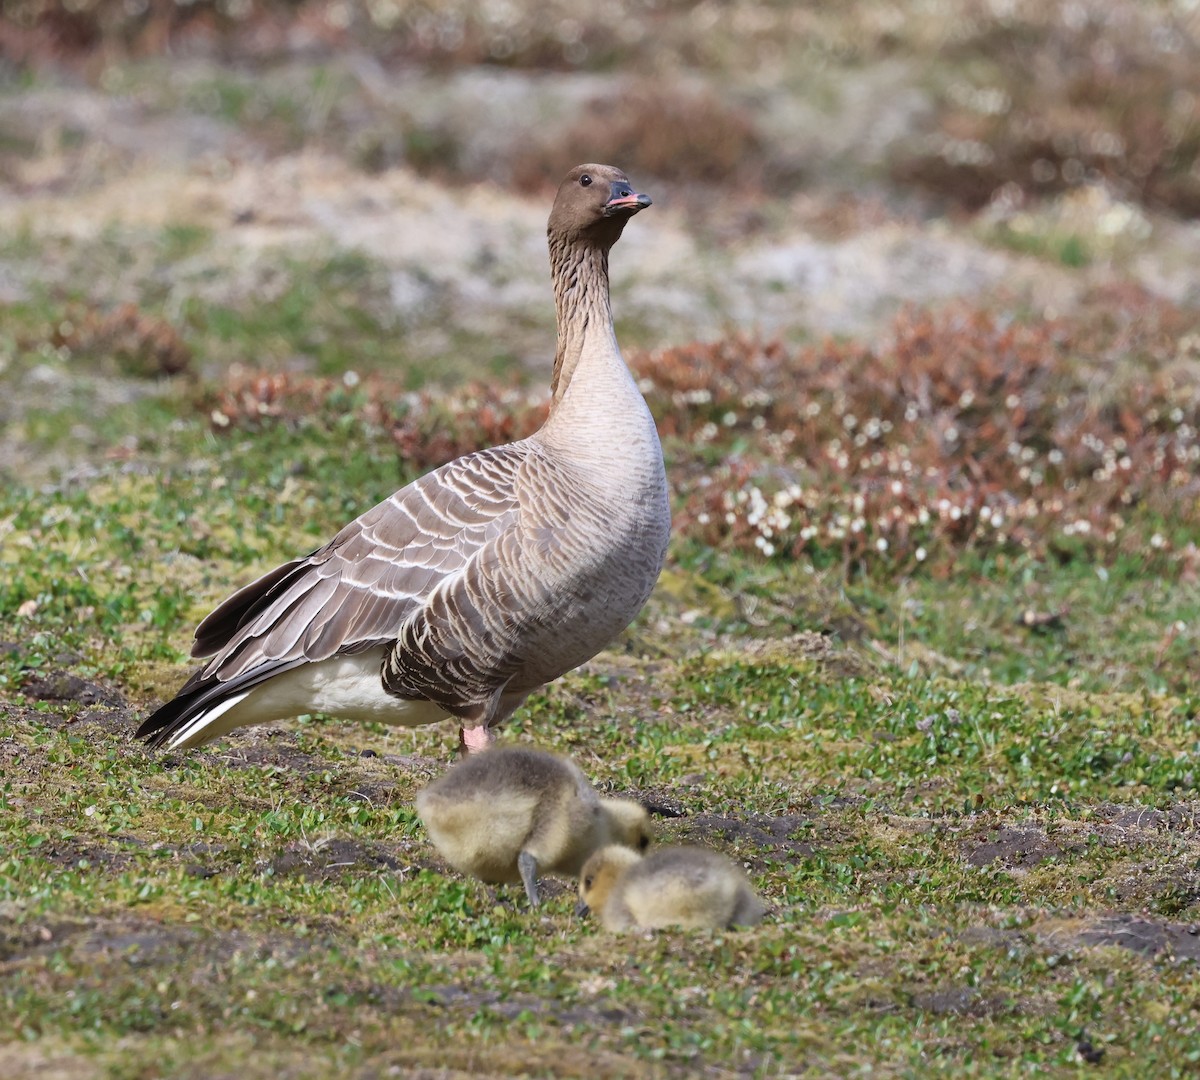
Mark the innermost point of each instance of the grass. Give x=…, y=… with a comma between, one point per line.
x=959, y=767
x=281, y=887
x=975, y=833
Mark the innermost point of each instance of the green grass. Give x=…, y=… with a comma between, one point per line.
x=968, y=794
x=277, y=890
x=1069, y=250
x=201, y=897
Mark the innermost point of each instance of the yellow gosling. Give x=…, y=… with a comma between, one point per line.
x=688, y=887
x=509, y=813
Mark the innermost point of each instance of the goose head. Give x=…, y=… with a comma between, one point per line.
x=592, y=205
x=599, y=876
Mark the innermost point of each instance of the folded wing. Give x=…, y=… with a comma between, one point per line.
x=356, y=591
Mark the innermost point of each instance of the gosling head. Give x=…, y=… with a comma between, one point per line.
x=593, y=203
x=600, y=873
x=626, y=823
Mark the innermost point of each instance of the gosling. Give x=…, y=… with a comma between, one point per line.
x=688, y=887
x=510, y=813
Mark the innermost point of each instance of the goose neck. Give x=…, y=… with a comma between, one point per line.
x=583, y=309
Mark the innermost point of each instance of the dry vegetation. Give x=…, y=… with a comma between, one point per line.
x=682, y=136
x=1060, y=96
x=130, y=340
x=1026, y=99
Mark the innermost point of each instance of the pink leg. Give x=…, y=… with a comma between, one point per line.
x=473, y=739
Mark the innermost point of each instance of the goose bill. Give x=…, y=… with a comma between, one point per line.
x=627, y=202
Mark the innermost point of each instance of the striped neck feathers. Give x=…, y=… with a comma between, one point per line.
x=581, y=300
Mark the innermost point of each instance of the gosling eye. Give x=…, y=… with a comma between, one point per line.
x=643, y=843
x=585, y=180
x=587, y=881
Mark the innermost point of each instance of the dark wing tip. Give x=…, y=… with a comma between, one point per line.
x=217, y=628
x=158, y=727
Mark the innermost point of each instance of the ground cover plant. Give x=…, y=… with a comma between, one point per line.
x=923, y=657
x=938, y=841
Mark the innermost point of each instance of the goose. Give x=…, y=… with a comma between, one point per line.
x=462, y=593
x=688, y=887
x=507, y=814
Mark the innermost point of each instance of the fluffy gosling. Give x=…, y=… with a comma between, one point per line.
x=510, y=812
x=688, y=887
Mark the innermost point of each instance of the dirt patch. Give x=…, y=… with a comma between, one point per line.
x=957, y=1001
x=662, y=802
x=103, y=708
x=336, y=858
x=79, y=854
x=144, y=942
x=24, y=938
x=274, y=750
x=10, y=749
x=428, y=767
x=1183, y=817
x=825, y=648
x=461, y=998
x=757, y=837
x=139, y=944
x=1147, y=937
x=63, y=686
x=1167, y=889
x=993, y=937
x=374, y=792
x=44, y=1062
x=1017, y=849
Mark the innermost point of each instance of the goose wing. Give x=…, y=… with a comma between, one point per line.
x=356, y=591
x=474, y=634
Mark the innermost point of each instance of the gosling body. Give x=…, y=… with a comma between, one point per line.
x=509, y=813
x=686, y=887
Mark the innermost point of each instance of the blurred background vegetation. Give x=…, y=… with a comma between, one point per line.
x=1015, y=98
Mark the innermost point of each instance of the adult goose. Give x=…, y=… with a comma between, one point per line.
x=485, y=579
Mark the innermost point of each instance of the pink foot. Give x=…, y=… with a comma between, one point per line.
x=474, y=739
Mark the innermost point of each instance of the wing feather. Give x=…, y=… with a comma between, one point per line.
x=368, y=579
x=357, y=590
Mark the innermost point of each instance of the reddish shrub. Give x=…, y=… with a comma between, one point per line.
x=963, y=433
x=429, y=428
x=138, y=343
x=654, y=129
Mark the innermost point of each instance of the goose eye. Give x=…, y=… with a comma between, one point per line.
x=585, y=180
x=587, y=881
x=643, y=843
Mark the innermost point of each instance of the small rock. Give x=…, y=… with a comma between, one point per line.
x=1093, y=1055
x=199, y=870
